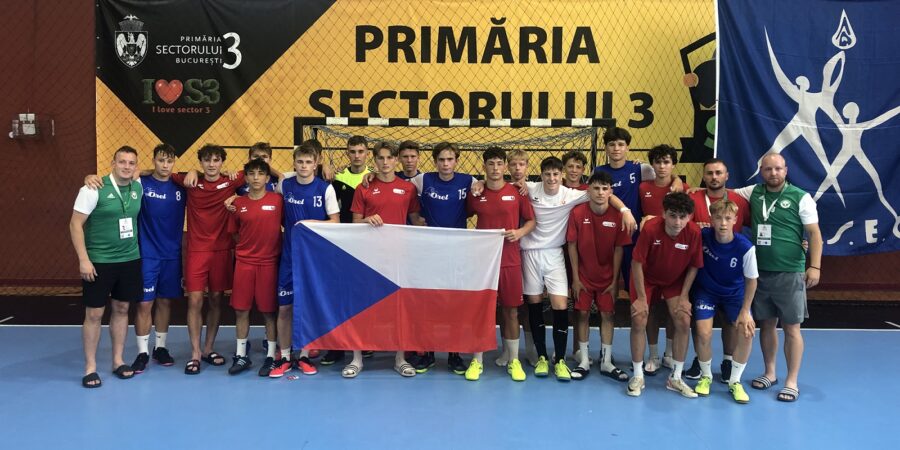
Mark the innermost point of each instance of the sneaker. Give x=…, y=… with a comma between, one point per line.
x=725, y=367
x=368, y=353
x=515, y=371
x=455, y=364
x=306, y=366
x=694, y=372
x=474, y=370
x=678, y=385
x=240, y=364
x=162, y=357
x=267, y=367
x=332, y=357
x=140, y=363
x=282, y=366
x=737, y=391
x=562, y=371
x=635, y=386
x=668, y=362
x=651, y=366
x=424, y=362
x=542, y=368
x=702, y=388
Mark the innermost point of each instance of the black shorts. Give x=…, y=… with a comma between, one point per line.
x=122, y=281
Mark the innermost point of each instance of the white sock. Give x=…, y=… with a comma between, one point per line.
x=676, y=372
x=512, y=348
x=728, y=357
x=606, y=353
x=400, y=358
x=143, y=343
x=638, y=369
x=161, y=339
x=286, y=353
x=584, y=362
x=737, y=369
x=241, y=347
x=479, y=357
x=668, y=350
x=654, y=351
x=706, y=368
x=529, y=343
x=270, y=349
x=303, y=353
x=357, y=358
x=503, y=358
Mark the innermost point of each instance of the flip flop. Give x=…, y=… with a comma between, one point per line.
x=120, y=372
x=192, y=367
x=788, y=394
x=214, y=359
x=91, y=378
x=406, y=370
x=616, y=374
x=762, y=383
x=579, y=373
x=351, y=371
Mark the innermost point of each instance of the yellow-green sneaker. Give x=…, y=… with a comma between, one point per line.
x=737, y=391
x=542, y=368
x=702, y=387
x=514, y=369
x=474, y=370
x=562, y=371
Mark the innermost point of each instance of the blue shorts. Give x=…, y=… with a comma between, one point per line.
x=285, y=282
x=162, y=278
x=705, y=305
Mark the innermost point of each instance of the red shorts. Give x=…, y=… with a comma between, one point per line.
x=208, y=269
x=656, y=293
x=255, y=284
x=604, y=301
x=510, y=288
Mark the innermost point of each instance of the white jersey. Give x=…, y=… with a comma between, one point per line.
x=552, y=215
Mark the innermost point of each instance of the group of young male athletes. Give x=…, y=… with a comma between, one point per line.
x=563, y=237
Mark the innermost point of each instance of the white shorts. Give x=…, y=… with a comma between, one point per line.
x=544, y=268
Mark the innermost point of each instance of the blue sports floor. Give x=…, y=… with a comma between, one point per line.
x=849, y=399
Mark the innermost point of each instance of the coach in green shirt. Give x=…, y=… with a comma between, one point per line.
x=104, y=234
x=781, y=213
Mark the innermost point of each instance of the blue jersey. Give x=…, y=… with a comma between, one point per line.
x=302, y=202
x=270, y=186
x=161, y=222
x=444, y=202
x=626, y=182
x=725, y=265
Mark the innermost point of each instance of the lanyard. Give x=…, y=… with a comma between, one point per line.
x=766, y=212
x=706, y=197
x=125, y=202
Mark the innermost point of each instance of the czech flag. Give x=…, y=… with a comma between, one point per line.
x=395, y=287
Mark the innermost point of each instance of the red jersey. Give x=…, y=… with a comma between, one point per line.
x=701, y=208
x=258, y=225
x=207, y=218
x=392, y=201
x=581, y=187
x=596, y=236
x=505, y=209
x=652, y=196
x=665, y=260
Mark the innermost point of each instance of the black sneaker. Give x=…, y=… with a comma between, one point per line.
x=455, y=364
x=162, y=357
x=241, y=363
x=694, y=372
x=424, y=362
x=368, y=353
x=140, y=363
x=332, y=357
x=268, y=365
x=725, y=368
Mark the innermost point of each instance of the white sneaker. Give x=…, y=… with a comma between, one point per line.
x=678, y=385
x=668, y=362
x=635, y=386
x=651, y=366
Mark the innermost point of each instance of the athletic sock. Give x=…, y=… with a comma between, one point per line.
x=160, y=339
x=706, y=368
x=676, y=372
x=270, y=349
x=399, y=358
x=669, y=346
x=479, y=357
x=606, y=357
x=538, y=330
x=512, y=348
x=303, y=353
x=560, y=333
x=585, y=361
x=654, y=351
x=357, y=358
x=286, y=353
x=638, y=369
x=241, y=347
x=143, y=343
x=737, y=369
x=529, y=343
x=728, y=357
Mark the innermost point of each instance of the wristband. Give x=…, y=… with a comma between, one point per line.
x=814, y=267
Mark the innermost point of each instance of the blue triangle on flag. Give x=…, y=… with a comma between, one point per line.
x=330, y=286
